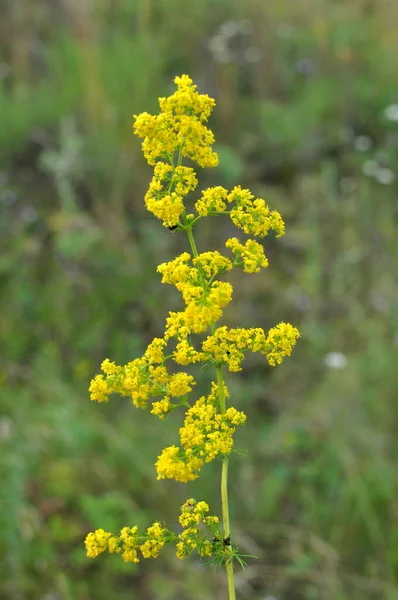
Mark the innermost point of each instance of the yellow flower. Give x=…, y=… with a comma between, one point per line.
x=251, y=255
x=184, y=180
x=185, y=354
x=178, y=271
x=161, y=408
x=206, y=549
x=154, y=352
x=155, y=541
x=172, y=464
x=179, y=131
x=97, y=542
x=109, y=368
x=187, y=100
x=160, y=198
x=280, y=342
x=254, y=217
x=168, y=208
x=228, y=345
x=205, y=434
x=211, y=521
x=130, y=542
x=212, y=264
x=176, y=326
x=180, y=384
x=179, y=126
x=140, y=379
x=212, y=200
x=99, y=389
x=192, y=514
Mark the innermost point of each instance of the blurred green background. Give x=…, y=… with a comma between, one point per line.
x=307, y=117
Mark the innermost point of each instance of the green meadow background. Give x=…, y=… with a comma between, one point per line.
x=307, y=117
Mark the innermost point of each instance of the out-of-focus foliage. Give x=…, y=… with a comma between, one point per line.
x=307, y=116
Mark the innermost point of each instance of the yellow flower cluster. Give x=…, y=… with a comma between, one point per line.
x=142, y=379
x=206, y=433
x=128, y=542
x=212, y=200
x=165, y=204
x=204, y=297
x=212, y=264
x=254, y=217
x=192, y=514
x=173, y=463
x=280, y=343
x=98, y=542
x=250, y=256
x=251, y=215
x=227, y=346
x=179, y=131
x=185, y=354
x=154, y=542
x=179, y=126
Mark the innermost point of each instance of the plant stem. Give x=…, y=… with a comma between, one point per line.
x=224, y=471
x=192, y=242
x=224, y=490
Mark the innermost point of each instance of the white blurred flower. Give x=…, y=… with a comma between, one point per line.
x=229, y=28
x=385, y=176
x=363, y=143
x=217, y=45
x=335, y=360
x=391, y=112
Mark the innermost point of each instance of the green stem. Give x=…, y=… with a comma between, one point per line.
x=224, y=489
x=224, y=472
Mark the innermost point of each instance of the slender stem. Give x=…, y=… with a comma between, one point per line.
x=224, y=489
x=224, y=472
x=192, y=242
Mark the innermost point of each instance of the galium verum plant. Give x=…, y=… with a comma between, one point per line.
x=179, y=132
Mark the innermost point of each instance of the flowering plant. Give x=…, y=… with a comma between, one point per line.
x=177, y=133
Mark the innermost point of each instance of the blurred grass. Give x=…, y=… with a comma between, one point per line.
x=302, y=92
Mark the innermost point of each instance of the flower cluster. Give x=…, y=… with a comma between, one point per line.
x=165, y=204
x=227, y=346
x=180, y=132
x=206, y=433
x=254, y=216
x=204, y=296
x=213, y=200
x=250, y=256
x=251, y=215
x=128, y=542
x=179, y=127
x=142, y=379
x=192, y=514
